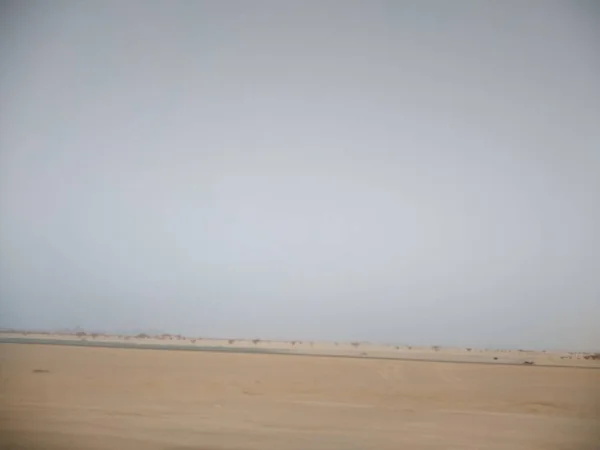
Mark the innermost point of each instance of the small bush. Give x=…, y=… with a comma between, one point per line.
x=256, y=341
x=142, y=336
x=355, y=344
x=231, y=341
x=40, y=371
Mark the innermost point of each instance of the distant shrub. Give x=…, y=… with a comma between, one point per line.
x=355, y=344
x=293, y=343
x=255, y=341
x=231, y=341
x=142, y=336
x=193, y=341
x=81, y=334
x=469, y=349
x=435, y=348
x=40, y=371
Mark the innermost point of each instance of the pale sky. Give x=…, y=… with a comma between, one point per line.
x=417, y=172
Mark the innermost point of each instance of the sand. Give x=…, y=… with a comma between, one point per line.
x=306, y=347
x=66, y=397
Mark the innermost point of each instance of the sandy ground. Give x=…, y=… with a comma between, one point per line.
x=61, y=397
x=358, y=349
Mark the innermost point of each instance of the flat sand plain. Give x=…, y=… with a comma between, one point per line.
x=345, y=349
x=69, y=397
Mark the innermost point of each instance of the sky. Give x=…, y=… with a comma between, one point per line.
x=411, y=172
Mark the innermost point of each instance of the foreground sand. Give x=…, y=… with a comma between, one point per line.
x=59, y=397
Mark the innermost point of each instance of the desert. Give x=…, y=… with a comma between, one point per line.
x=287, y=225
x=87, y=396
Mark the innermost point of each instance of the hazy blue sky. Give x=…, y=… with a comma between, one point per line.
x=422, y=172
